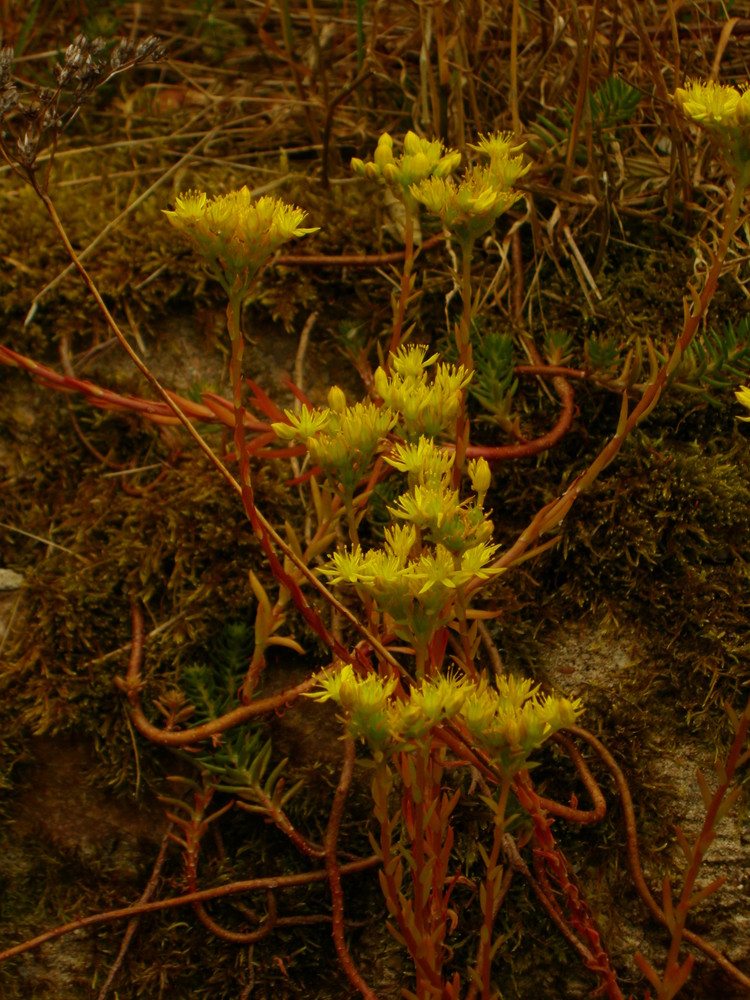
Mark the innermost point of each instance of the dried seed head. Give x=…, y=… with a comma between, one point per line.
x=122, y=52
x=62, y=74
x=51, y=119
x=149, y=48
x=8, y=100
x=97, y=46
x=76, y=52
x=27, y=150
x=6, y=64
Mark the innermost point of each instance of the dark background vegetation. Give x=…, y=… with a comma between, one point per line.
x=640, y=609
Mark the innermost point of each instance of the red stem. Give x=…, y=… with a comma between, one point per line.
x=334, y=871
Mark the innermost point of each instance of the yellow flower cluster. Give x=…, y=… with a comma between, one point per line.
x=235, y=234
x=420, y=159
x=434, y=507
x=365, y=701
x=512, y=720
x=425, y=408
x=428, y=561
x=341, y=439
x=714, y=105
x=470, y=207
x=725, y=112
x=743, y=396
x=438, y=543
x=345, y=450
x=417, y=593
x=509, y=721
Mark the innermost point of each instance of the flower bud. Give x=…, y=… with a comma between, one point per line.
x=384, y=150
x=480, y=475
x=420, y=166
x=412, y=143
x=390, y=173
x=447, y=164
x=336, y=399
x=380, y=381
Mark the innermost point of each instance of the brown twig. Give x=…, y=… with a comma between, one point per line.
x=505, y=453
x=133, y=682
x=233, y=889
x=134, y=921
x=634, y=860
x=353, y=259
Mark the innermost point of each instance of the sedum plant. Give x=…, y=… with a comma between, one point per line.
x=407, y=669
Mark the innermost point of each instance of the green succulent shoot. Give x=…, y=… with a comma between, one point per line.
x=234, y=233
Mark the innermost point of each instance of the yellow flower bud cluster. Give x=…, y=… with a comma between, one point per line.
x=235, y=234
x=509, y=721
x=420, y=159
x=424, y=408
x=725, y=112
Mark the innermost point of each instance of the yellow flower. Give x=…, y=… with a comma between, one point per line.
x=469, y=208
x=420, y=159
x=346, y=567
x=302, y=425
x=400, y=540
x=431, y=703
x=189, y=207
x=423, y=462
x=235, y=234
x=708, y=102
x=725, y=112
x=364, y=700
x=498, y=145
x=743, y=396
